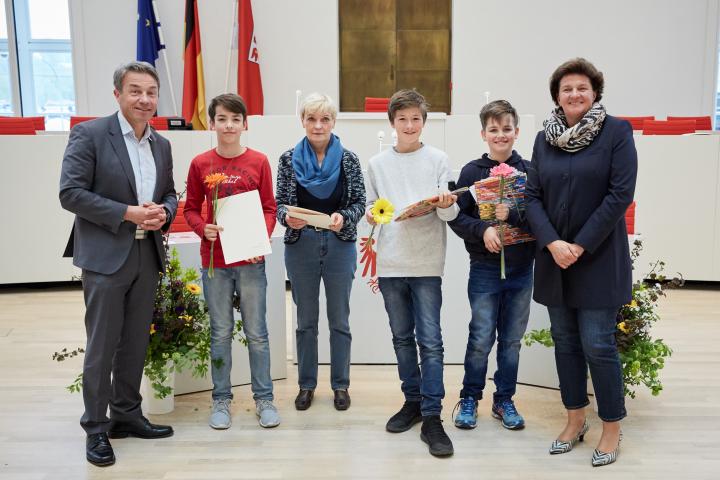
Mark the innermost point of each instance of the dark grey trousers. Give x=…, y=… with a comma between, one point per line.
x=119, y=309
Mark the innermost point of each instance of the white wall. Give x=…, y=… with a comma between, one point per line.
x=659, y=56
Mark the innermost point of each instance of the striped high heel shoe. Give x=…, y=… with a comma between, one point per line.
x=559, y=446
x=601, y=458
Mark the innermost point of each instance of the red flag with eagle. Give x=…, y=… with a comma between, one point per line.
x=249, y=84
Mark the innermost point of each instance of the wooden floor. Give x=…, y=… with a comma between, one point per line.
x=673, y=436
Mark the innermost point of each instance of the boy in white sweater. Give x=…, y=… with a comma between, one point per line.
x=410, y=261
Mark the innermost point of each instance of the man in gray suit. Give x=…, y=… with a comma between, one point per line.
x=117, y=180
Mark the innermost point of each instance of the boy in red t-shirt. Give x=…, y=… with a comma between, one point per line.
x=246, y=170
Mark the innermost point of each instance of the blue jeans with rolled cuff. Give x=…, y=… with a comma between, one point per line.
x=250, y=284
x=413, y=308
x=501, y=306
x=585, y=337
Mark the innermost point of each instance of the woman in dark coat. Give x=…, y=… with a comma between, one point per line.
x=582, y=179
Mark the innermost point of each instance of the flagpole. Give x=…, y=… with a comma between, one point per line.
x=233, y=33
x=163, y=53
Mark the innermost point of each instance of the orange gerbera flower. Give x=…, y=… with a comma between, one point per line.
x=214, y=179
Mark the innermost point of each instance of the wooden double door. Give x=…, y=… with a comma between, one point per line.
x=387, y=45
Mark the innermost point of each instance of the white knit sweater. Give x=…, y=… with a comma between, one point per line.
x=414, y=247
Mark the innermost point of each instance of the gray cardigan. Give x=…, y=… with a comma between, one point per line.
x=352, y=205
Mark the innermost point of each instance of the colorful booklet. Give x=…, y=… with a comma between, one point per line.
x=487, y=193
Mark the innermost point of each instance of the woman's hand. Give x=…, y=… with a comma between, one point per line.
x=336, y=222
x=445, y=199
x=211, y=231
x=294, y=223
x=254, y=259
x=576, y=249
x=502, y=211
x=562, y=253
x=492, y=240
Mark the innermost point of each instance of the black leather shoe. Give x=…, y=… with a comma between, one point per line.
x=139, y=427
x=304, y=399
x=342, y=400
x=98, y=450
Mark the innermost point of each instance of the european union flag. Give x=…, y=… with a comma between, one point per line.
x=148, y=38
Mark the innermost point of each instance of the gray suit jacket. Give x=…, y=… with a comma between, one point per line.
x=97, y=184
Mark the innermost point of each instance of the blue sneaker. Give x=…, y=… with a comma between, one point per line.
x=467, y=413
x=506, y=411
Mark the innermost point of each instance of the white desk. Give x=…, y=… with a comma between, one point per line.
x=678, y=190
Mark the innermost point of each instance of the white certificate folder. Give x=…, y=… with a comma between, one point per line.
x=244, y=234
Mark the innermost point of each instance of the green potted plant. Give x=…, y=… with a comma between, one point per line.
x=642, y=357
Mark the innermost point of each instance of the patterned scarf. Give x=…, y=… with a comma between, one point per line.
x=580, y=135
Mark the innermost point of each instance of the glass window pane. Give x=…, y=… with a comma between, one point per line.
x=49, y=19
x=53, y=85
x=3, y=21
x=5, y=90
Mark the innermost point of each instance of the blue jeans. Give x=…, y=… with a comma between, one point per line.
x=413, y=307
x=250, y=284
x=586, y=337
x=502, y=306
x=320, y=255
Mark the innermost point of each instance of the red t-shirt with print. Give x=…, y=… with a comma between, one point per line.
x=246, y=172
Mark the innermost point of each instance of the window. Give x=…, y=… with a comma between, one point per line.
x=44, y=62
x=6, y=107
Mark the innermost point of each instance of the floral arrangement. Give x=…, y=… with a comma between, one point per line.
x=382, y=212
x=180, y=329
x=179, y=332
x=213, y=181
x=641, y=356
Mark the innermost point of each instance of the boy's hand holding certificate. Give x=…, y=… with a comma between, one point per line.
x=244, y=232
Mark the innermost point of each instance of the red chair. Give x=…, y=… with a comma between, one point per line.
x=701, y=123
x=630, y=219
x=179, y=224
x=376, y=104
x=75, y=120
x=39, y=123
x=16, y=126
x=669, y=127
x=159, y=123
x=637, y=122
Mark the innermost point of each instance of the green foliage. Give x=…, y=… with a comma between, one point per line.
x=642, y=357
x=180, y=330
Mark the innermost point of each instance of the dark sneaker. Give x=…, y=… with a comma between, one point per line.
x=434, y=435
x=506, y=411
x=466, y=417
x=403, y=421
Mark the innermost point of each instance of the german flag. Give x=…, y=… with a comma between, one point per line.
x=193, y=103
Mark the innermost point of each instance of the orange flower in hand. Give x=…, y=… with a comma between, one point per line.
x=214, y=179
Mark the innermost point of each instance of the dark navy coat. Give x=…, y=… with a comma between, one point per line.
x=581, y=198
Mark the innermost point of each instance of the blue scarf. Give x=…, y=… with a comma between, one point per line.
x=320, y=181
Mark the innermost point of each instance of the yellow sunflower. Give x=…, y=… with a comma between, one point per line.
x=622, y=326
x=193, y=288
x=633, y=304
x=382, y=211
x=152, y=328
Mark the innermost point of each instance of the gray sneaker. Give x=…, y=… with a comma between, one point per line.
x=220, y=416
x=268, y=416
